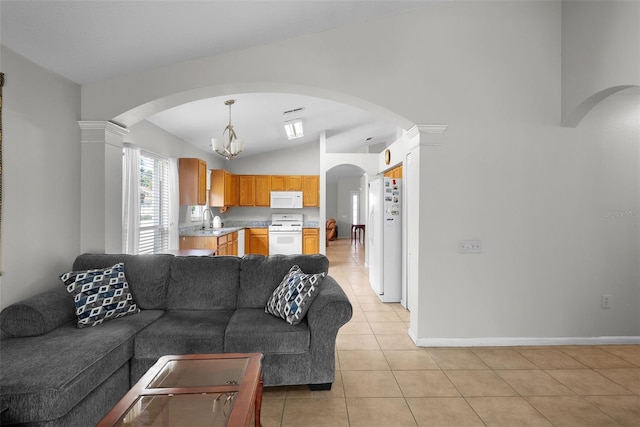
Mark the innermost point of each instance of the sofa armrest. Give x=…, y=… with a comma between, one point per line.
x=329, y=311
x=39, y=314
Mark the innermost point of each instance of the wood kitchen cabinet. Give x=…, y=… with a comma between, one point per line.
x=394, y=173
x=247, y=190
x=262, y=190
x=224, y=189
x=310, y=240
x=192, y=174
x=228, y=244
x=258, y=241
x=286, y=183
x=311, y=191
x=199, y=242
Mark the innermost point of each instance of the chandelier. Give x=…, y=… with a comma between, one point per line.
x=233, y=146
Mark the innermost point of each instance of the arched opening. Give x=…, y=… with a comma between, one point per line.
x=575, y=117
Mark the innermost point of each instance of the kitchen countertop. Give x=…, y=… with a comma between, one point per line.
x=217, y=232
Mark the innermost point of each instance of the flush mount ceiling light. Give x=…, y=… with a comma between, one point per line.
x=233, y=146
x=294, y=129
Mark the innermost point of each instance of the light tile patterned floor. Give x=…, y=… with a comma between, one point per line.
x=382, y=379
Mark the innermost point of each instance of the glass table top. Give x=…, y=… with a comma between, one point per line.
x=200, y=373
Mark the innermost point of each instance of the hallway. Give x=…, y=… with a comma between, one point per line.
x=383, y=379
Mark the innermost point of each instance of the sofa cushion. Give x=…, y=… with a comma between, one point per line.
x=100, y=294
x=183, y=332
x=147, y=275
x=39, y=314
x=251, y=330
x=44, y=377
x=260, y=275
x=293, y=297
x=203, y=283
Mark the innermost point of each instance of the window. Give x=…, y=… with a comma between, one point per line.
x=355, y=207
x=154, y=204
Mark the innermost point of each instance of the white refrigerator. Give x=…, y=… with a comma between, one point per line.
x=384, y=238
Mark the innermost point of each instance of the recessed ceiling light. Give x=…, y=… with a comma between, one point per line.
x=293, y=128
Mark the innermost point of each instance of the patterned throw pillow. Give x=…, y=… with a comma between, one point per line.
x=293, y=297
x=100, y=294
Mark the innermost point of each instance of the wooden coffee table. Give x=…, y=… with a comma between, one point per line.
x=195, y=390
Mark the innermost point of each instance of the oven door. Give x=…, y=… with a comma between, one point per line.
x=285, y=242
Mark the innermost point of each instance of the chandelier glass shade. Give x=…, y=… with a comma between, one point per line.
x=230, y=146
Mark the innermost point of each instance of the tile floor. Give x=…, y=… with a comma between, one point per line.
x=383, y=379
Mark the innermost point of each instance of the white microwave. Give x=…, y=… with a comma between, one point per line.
x=286, y=199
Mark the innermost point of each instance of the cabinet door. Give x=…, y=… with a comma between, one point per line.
x=259, y=241
x=263, y=190
x=278, y=182
x=247, y=185
x=233, y=244
x=192, y=174
x=311, y=190
x=224, y=189
x=230, y=189
x=294, y=183
x=198, y=242
x=310, y=240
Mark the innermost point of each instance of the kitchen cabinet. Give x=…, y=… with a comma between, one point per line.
x=247, y=190
x=228, y=244
x=224, y=189
x=310, y=240
x=192, y=175
x=394, y=173
x=310, y=191
x=199, y=242
x=258, y=241
x=222, y=245
x=262, y=190
x=286, y=183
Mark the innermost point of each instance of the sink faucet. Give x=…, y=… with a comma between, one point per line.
x=204, y=216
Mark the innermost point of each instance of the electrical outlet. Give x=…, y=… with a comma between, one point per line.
x=470, y=246
x=606, y=299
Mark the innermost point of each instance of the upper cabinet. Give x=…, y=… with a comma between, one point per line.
x=224, y=189
x=247, y=190
x=255, y=190
x=193, y=181
x=286, y=183
x=263, y=190
x=310, y=190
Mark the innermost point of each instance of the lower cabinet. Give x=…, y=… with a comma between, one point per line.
x=258, y=239
x=198, y=242
x=223, y=245
x=310, y=240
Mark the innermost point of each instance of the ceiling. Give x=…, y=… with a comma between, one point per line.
x=89, y=41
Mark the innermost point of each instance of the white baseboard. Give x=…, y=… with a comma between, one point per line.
x=520, y=341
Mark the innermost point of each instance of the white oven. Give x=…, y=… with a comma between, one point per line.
x=285, y=234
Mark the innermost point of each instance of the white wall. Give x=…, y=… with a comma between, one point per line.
x=151, y=138
x=507, y=173
x=297, y=160
x=345, y=186
x=598, y=42
x=41, y=178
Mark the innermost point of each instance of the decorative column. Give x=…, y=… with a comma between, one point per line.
x=101, y=187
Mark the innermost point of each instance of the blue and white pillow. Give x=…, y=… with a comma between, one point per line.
x=293, y=297
x=100, y=294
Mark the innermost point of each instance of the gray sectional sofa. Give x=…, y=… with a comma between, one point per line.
x=53, y=373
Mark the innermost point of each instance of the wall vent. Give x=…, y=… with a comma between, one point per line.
x=294, y=110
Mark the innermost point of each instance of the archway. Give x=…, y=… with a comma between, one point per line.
x=575, y=117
